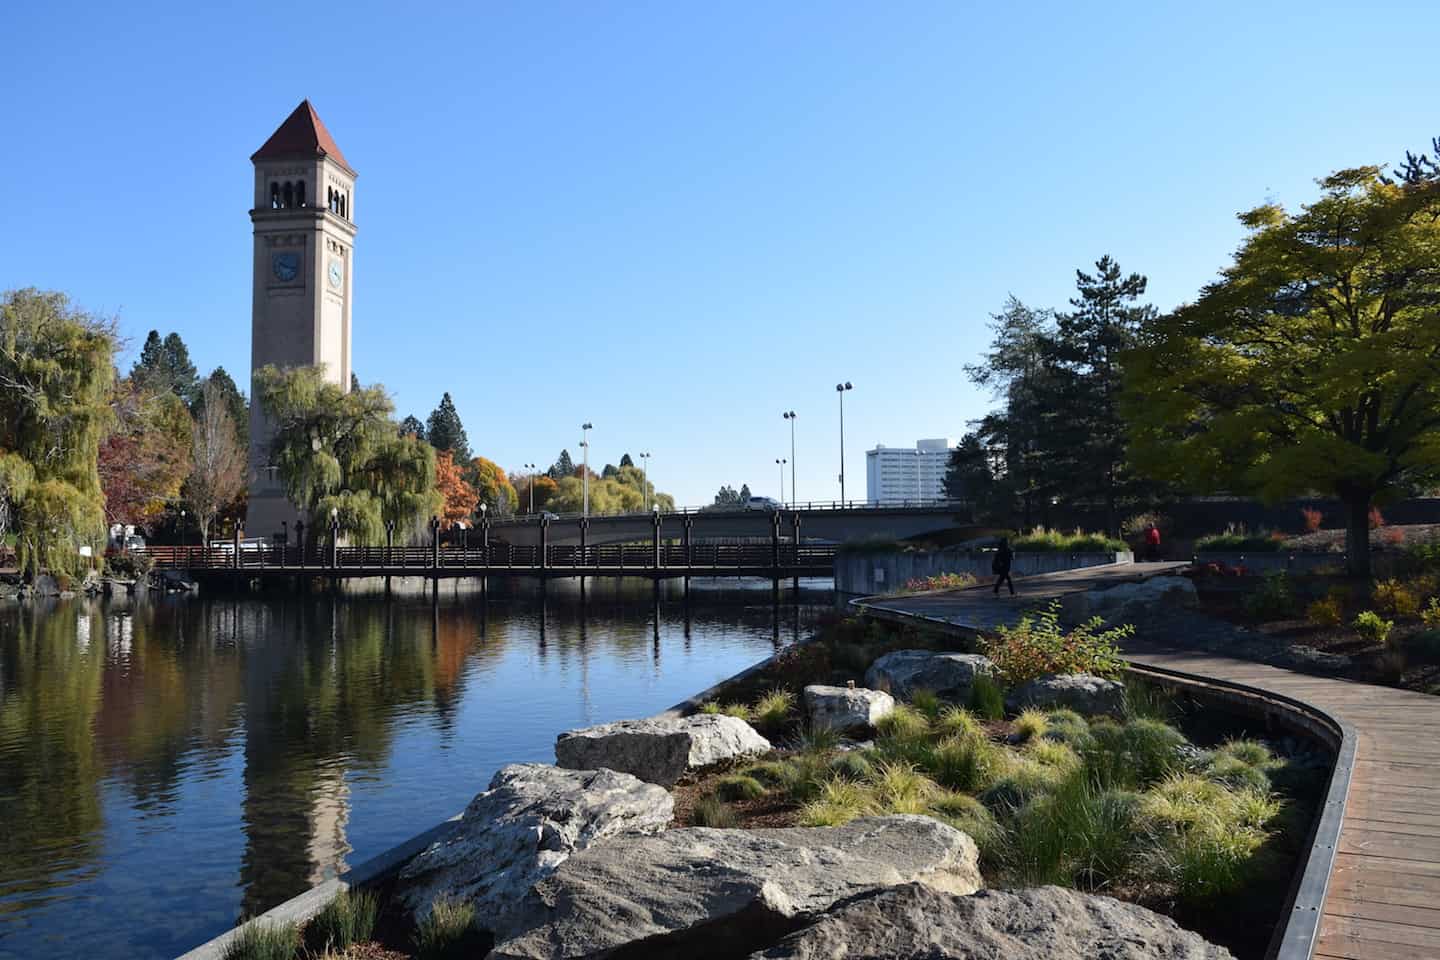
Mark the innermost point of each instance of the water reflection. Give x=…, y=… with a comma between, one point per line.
x=168, y=766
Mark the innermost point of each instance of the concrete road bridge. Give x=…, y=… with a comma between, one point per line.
x=823, y=521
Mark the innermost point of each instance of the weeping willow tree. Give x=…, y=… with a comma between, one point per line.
x=56, y=374
x=341, y=451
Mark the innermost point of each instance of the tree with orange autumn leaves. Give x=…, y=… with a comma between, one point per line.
x=459, y=497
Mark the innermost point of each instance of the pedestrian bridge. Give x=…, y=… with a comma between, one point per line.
x=827, y=521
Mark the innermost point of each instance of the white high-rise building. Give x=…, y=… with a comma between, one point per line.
x=894, y=474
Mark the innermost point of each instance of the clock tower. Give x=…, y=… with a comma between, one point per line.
x=300, y=301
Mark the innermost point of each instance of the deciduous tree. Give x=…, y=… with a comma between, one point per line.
x=1313, y=363
x=340, y=450
x=145, y=458
x=56, y=374
x=217, y=459
x=493, y=487
x=459, y=498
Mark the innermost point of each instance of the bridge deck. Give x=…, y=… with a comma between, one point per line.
x=1383, y=901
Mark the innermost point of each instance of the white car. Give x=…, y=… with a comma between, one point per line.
x=767, y=504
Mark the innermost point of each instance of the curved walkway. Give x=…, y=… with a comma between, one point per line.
x=1383, y=901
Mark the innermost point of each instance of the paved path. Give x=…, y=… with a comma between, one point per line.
x=1384, y=897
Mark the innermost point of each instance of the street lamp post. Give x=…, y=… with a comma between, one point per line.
x=585, y=429
x=531, y=468
x=645, y=479
x=840, y=388
x=790, y=415
x=780, y=462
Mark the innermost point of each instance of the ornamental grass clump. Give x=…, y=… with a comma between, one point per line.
x=927, y=703
x=348, y=919
x=714, y=812
x=1077, y=835
x=898, y=787
x=987, y=699
x=964, y=761
x=1043, y=540
x=264, y=941
x=837, y=802
x=447, y=932
x=1148, y=701
x=773, y=710
x=1031, y=724
x=738, y=787
x=851, y=765
x=1038, y=645
x=1395, y=598
x=956, y=720
x=1206, y=836
x=968, y=815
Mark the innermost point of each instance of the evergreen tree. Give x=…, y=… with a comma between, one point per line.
x=165, y=365
x=1088, y=447
x=970, y=477
x=610, y=471
x=563, y=467
x=625, y=461
x=412, y=427
x=445, y=432
x=354, y=381
x=221, y=386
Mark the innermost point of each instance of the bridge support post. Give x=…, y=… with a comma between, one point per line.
x=584, y=527
x=544, y=544
x=775, y=552
x=795, y=547
x=389, y=552
x=435, y=543
x=655, y=542
x=300, y=539
x=334, y=541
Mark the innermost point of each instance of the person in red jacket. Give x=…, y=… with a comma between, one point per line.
x=1152, y=543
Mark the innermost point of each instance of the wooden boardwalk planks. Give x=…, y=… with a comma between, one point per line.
x=1384, y=896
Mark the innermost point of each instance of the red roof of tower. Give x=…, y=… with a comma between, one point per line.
x=302, y=134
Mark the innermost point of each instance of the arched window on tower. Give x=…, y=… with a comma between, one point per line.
x=289, y=194
x=330, y=199
x=274, y=195
x=345, y=205
x=300, y=193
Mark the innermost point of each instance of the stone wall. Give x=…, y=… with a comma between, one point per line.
x=860, y=573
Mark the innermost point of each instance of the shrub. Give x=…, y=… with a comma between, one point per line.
x=1236, y=539
x=739, y=786
x=1041, y=540
x=940, y=581
x=1137, y=525
x=1392, y=536
x=1372, y=627
x=128, y=566
x=1393, y=597
x=987, y=699
x=1272, y=599
x=346, y=920
x=714, y=812
x=1312, y=518
x=1325, y=612
x=774, y=708
x=839, y=801
x=1037, y=645
x=1031, y=724
x=447, y=932
x=264, y=941
x=1377, y=519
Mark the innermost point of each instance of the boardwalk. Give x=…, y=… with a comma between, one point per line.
x=1383, y=901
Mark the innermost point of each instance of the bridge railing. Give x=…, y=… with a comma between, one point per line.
x=790, y=506
x=782, y=555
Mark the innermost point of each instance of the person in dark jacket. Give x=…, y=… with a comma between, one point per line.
x=1000, y=566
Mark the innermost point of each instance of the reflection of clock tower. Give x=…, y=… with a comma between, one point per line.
x=304, y=245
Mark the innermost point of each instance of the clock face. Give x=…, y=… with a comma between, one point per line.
x=336, y=273
x=285, y=266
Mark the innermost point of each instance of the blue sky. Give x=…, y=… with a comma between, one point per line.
x=678, y=220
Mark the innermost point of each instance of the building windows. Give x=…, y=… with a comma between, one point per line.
x=338, y=202
x=289, y=194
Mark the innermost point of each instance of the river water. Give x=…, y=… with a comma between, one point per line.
x=168, y=765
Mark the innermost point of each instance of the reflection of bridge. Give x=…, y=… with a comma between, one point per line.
x=832, y=522
x=656, y=560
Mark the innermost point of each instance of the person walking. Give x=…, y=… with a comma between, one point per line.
x=1000, y=566
x=1152, y=544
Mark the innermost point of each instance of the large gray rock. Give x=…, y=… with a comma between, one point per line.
x=659, y=750
x=846, y=708
x=948, y=675
x=698, y=892
x=531, y=819
x=1080, y=692
x=44, y=585
x=914, y=922
x=1132, y=601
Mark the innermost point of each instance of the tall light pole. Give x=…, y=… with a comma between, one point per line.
x=585, y=429
x=780, y=462
x=790, y=415
x=645, y=479
x=840, y=388
x=531, y=468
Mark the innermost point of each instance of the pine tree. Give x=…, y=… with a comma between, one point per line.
x=165, y=366
x=969, y=477
x=445, y=432
x=412, y=427
x=563, y=467
x=625, y=461
x=610, y=471
x=354, y=381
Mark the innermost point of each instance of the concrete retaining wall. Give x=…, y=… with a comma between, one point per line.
x=1266, y=561
x=860, y=574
